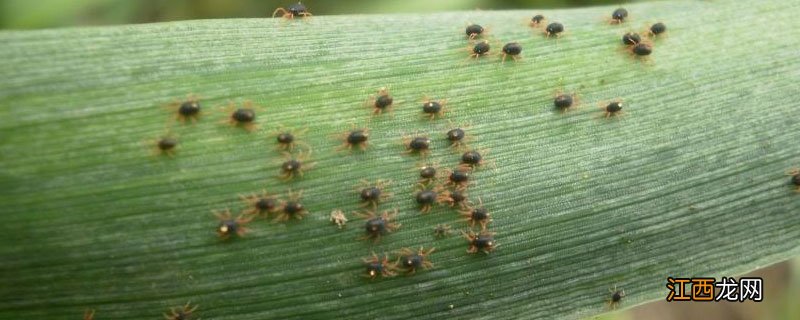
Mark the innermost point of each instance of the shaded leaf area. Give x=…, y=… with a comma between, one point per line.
x=690, y=182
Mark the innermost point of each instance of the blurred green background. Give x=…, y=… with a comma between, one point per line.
x=782, y=281
x=31, y=14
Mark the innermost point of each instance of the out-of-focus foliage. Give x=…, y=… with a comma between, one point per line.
x=25, y=14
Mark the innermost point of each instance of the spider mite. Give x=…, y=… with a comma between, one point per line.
x=473, y=159
x=458, y=177
x=287, y=138
x=657, y=29
x=426, y=197
x=641, y=49
x=244, y=117
x=379, y=266
x=565, y=101
x=612, y=108
x=795, y=181
x=412, y=261
x=295, y=10
x=186, y=110
x=513, y=50
x=419, y=144
x=618, y=16
x=631, y=38
x=88, y=314
x=164, y=145
x=338, y=218
x=229, y=225
x=382, y=102
x=261, y=205
x=457, y=135
x=554, y=29
x=354, y=137
x=373, y=193
x=454, y=198
x=441, y=230
x=477, y=214
x=616, y=297
x=427, y=174
x=474, y=30
x=433, y=109
x=483, y=241
x=378, y=225
x=294, y=166
x=292, y=208
x=181, y=313
x=479, y=49
x=537, y=21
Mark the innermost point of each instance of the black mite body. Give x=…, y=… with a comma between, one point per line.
x=474, y=30
x=285, y=138
x=554, y=29
x=482, y=242
x=419, y=144
x=376, y=266
x=631, y=38
x=262, y=204
x=294, y=10
x=377, y=226
x=427, y=173
x=413, y=261
x=372, y=193
x=480, y=49
x=433, y=109
x=511, y=49
x=536, y=20
x=426, y=198
x=166, y=144
x=459, y=178
x=454, y=198
x=619, y=15
x=189, y=108
x=563, y=101
x=658, y=28
x=612, y=108
x=456, y=135
x=796, y=179
x=382, y=102
x=294, y=166
x=642, y=49
x=472, y=158
x=616, y=297
x=243, y=115
x=292, y=208
x=231, y=226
